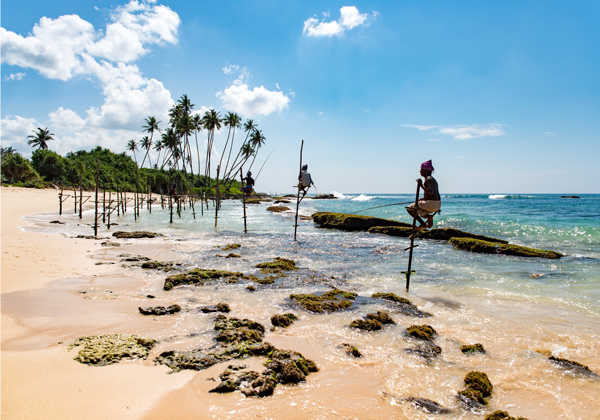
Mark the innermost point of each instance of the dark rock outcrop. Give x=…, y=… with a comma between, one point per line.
x=324, y=197
x=403, y=305
x=135, y=235
x=502, y=415
x=284, y=320
x=201, y=276
x=278, y=209
x=426, y=350
x=426, y=405
x=477, y=388
x=351, y=350
x=159, y=310
x=572, y=366
x=442, y=234
x=219, y=307
x=473, y=348
x=421, y=332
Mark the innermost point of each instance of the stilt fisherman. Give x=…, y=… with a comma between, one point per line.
x=431, y=202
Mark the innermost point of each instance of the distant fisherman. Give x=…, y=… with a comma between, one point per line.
x=249, y=184
x=431, y=202
x=305, y=180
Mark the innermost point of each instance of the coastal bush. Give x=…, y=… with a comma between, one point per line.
x=16, y=169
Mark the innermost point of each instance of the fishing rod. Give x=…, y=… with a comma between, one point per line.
x=385, y=205
x=263, y=165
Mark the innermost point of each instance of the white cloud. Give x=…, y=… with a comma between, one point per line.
x=467, y=132
x=14, y=76
x=251, y=102
x=464, y=132
x=15, y=130
x=232, y=68
x=68, y=46
x=350, y=18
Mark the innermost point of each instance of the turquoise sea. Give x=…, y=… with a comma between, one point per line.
x=520, y=309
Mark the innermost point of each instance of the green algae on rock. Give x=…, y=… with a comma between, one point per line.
x=278, y=209
x=473, y=348
x=382, y=317
x=250, y=383
x=477, y=387
x=421, y=332
x=352, y=222
x=351, y=350
x=235, y=331
x=502, y=415
x=442, y=234
x=571, y=365
x=108, y=349
x=230, y=247
x=278, y=265
x=425, y=349
x=403, y=305
x=366, y=324
x=486, y=247
x=135, y=235
x=200, y=276
x=290, y=366
x=331, y=301
x=219, y=307
x=157, y=265
x=284, y=320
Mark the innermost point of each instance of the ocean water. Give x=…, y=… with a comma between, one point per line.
x=520, y=309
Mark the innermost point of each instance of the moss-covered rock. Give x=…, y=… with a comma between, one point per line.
x=403, y=305
x=502, y=415
x=235, y=331
x=351, y=350
x=135, y=235
x=158, y=265
x=366, y=324
x=486, y=247
x=473, y=348
x=201, y=276
x=331, y=301
x=381, y=316
x=277, y=209
x=159, y=310
x=219, y=307
x=230, y=247
x=480, y=382
x=251, y=288
x=186, y=360
x=290, y=366
x=352, y=222
x=442, y=234
x=421, y=332
x=571, y=365
x=254, y=201
x=284, y=320
x=278, y=265
x=111, y=348
x=250, y=383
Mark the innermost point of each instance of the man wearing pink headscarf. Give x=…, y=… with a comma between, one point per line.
x=431, y=201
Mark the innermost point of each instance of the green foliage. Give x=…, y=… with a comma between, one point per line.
x=17, y=170
x=50, y=165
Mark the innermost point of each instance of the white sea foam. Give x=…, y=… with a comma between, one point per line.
x=363, y=197
x=339, y=195
x=497, y=196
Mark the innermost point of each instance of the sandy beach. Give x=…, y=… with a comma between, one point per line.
x=40, y=380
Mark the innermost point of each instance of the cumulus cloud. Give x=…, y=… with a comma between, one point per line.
x=350, y=18
x=464, y=132
x=69, y=46
x=240, y=98
x=15, y=130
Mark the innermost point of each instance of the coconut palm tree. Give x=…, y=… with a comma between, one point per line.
x=257, y=140
x=210, y=122
x=249, y=128
x=233, y=121
x=146, y=143
x=40, y=138
x=150, y=127
x=132, y=147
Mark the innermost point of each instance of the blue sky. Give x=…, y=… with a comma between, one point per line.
x=503, y=96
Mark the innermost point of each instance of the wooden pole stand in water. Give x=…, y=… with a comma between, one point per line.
x=96, y=212
x=412, y=242
x=298, y=198
x=243, y=200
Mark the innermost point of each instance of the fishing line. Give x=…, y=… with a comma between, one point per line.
x=385, y=205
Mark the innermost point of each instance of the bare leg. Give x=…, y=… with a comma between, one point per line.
x=429, y=221
x=413, y=213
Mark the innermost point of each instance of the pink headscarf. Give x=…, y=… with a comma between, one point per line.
x=427, y=166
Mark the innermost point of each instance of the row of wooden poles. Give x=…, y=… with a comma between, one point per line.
x=111, y=201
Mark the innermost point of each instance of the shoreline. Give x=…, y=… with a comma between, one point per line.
x=53, y=292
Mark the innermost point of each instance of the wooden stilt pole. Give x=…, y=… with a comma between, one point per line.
x=298, y=198
x=96, y=211
x=80, y=200
x=170, y=197
x=217, y=197
x=412, y=243
x=244, y=200
x=103, y=203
